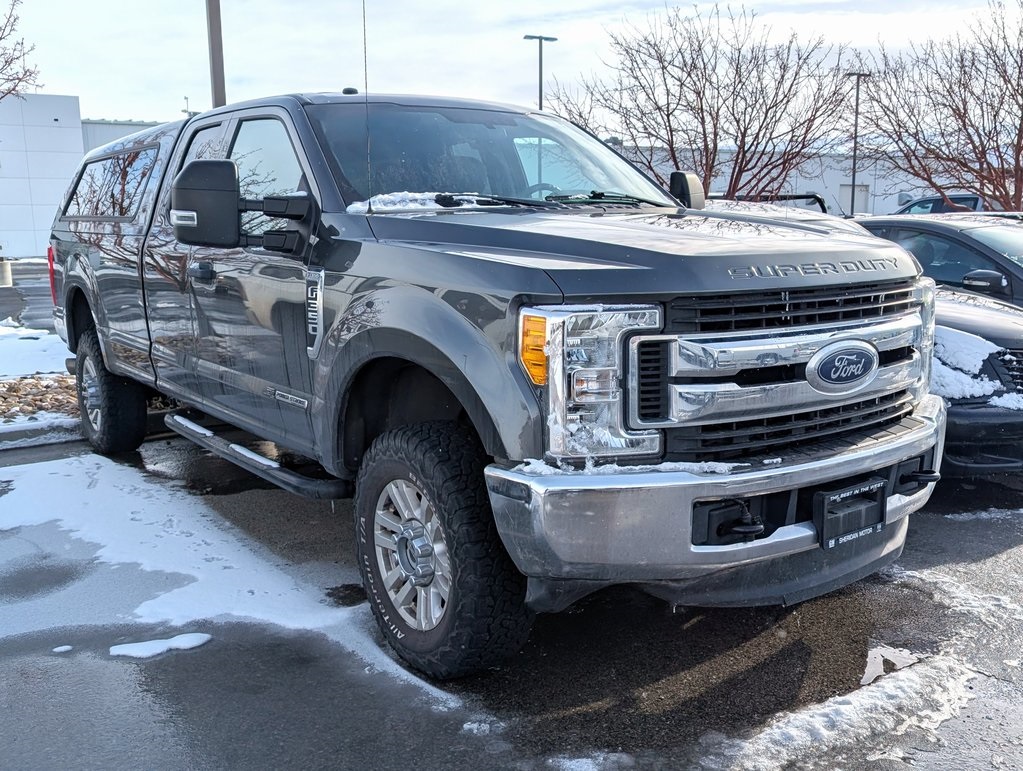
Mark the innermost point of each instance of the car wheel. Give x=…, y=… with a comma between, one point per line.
x=113, y=408
x=444, y=591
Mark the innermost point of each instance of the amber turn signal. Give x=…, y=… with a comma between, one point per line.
x=531, y=351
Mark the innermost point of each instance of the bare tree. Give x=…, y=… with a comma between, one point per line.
x=712, y=94
x=950, y=112
x=15, y=74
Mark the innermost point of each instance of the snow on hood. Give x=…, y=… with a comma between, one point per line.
x=962, y=350
x=958, y=358
x=396, y=201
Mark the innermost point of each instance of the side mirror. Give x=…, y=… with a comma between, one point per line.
x=687, y=188
x=204, y=204
x=986, y=281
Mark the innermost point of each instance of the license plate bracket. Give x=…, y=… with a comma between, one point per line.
x=846, y=515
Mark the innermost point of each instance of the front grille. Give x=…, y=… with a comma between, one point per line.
x=735, y=440
x=1012, y=361
x=652, y=395
x=792, y=308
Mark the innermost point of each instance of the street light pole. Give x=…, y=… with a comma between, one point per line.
x=856, y=135
x=540, y=39
x=216, y=39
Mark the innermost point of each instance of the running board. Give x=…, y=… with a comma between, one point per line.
x=260, y=465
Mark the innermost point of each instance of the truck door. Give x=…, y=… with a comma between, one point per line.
x=168, y=288
x=249, y=310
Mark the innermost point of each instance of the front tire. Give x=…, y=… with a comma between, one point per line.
x=444, y=592
x=113, y=408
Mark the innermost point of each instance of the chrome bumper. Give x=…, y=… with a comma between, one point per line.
x=625, y=527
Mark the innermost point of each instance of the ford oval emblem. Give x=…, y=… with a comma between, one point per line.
x=842, y=367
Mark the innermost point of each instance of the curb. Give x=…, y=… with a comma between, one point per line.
x=26, y=435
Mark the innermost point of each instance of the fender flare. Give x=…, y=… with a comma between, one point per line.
x=502, y=408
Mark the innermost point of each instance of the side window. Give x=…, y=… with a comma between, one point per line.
x=112, y=187
x=958, y=203
x=944, y=260
x=267, y=165
x=925, y=206
x=206, y=143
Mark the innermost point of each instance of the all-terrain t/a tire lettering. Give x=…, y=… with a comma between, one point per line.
x=443, y=590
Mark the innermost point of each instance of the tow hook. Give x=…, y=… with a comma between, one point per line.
x=922, y=477
x=747, y=527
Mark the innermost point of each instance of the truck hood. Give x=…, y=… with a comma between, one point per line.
x=590, y=252
x=984, y=317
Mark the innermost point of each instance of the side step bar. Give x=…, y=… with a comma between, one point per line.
x=261, y=466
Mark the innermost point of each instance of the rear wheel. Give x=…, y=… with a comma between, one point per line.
x=443, y=590
x=113, y=408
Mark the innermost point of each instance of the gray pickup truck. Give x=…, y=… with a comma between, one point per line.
x=536, y=371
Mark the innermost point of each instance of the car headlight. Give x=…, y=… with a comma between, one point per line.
x=576, y=353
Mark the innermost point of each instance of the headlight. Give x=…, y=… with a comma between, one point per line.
x=576, y=352
x=923, y=292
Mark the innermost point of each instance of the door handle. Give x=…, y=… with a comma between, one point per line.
x=201, y=271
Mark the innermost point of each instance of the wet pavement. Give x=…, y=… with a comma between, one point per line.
x=621, y=680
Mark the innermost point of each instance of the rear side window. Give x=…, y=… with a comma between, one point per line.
x=112, y=187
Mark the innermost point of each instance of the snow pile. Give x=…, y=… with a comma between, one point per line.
x=953, y=384
x=958, y=359
x=995, y=514
x=1008, y=401
x=395, y=202
x=962, y=350
x=26, y=351
x=150, y=648
x=921, y=696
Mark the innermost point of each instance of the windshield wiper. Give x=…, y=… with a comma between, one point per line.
x=453, y=200
x=601, y=196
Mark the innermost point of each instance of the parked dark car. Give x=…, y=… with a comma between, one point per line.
x=978, y=369
x=940, y=204
x=964, y=251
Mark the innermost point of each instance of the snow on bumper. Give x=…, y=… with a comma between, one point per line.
x=625, y=527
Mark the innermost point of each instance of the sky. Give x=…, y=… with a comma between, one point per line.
x=140, y=60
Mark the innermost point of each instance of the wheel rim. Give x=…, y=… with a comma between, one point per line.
x=412, y=555
x=88, y=389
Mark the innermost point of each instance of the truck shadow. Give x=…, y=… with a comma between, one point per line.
x=622, y=672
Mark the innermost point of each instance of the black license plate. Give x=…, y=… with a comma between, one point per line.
x=851, y=513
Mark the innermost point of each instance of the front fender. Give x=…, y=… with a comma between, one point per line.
x=416, y=326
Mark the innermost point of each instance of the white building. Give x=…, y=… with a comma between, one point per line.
x=42, y=139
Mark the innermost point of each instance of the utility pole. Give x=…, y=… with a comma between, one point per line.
x=216, y=38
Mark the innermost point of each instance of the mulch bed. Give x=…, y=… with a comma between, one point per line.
x=25, y=396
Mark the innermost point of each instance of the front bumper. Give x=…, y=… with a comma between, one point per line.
x=983, y=439
x=637, y=526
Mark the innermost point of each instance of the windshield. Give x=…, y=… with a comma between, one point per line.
x=1007, y=239
x=506, y=155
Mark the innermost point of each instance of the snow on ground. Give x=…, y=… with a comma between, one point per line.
x=150, y=648
x=215, y=572
x=26, y=351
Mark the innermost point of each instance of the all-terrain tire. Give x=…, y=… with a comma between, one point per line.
x=113, y=408
x=444, y=591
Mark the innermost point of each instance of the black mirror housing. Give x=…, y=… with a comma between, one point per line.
x=987, y=281
x=293, y=206
x=204, y=204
